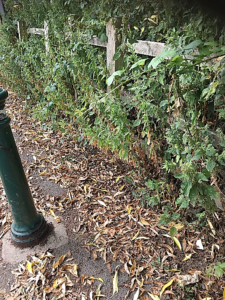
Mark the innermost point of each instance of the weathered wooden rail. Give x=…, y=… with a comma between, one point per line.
x=141, y=47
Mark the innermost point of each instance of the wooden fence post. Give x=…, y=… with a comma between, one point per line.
x=22, y=30
x=46, y=36
x=113, y=44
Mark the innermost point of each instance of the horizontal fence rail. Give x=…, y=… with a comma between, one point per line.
x=141, y=47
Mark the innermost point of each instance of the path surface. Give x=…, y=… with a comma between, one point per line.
x=113, y=242
x=35, y=153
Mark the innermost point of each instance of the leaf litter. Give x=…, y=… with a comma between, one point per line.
x=119, y=229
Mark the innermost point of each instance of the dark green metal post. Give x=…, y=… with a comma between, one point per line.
x=28, y=225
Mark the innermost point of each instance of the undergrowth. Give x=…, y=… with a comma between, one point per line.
x=165, y=113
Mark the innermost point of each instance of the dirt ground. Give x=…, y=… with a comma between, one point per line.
x=115, y=243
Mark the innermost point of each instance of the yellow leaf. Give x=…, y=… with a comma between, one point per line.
x=135, y=27
x=166, y=286
x=129, y=209
x=72, y=268
x=136, y=235
x=43, y=173
x=59, y=282
x=118, y=178
x=208, y=298
x=211, y=226
x=115, y=283
x=178, y=226
x=142, y=30
x=143, y=221
x=224, y=294
x=29, y=267
x=187, y=257
x=177, y=242
x=154, y=297
x=61, y=259
x=121, y=188
x=100, y=279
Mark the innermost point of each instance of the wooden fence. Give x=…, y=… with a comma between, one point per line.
x=141, y=47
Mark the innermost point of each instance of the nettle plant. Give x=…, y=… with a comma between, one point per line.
x=179, y=98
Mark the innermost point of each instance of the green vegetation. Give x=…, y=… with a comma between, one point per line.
x=165, y=113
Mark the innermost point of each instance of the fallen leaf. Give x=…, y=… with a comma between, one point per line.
x=166, y=286
x=30, y=267
x=133, y=238
x=58, y=263
x=136, y=295
x=177, y=242
x=58, y=282
x=102, y=203
x=154, y=297
x=94, y=278
x=187, y=256
x=115, y=283
x=211, y=226
x=144, y=222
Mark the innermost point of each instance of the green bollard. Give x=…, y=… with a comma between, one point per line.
x=28, y=225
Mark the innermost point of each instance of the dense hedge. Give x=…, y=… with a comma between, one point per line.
x=165, y=114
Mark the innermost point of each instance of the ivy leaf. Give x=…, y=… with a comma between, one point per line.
x=210, y=165
x=141, y=62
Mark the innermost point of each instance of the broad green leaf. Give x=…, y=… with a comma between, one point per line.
x=177, y=59
x=210, y=151
x=109, y=81
x=192, y=45
x=173, y=231
x=218, y=271
x=193, y=193
x=222, y=143
x=166, y=53
x=141, y=62
x=210, y=165
x=201, y=176
x=116, y=55
x=155, y=62
x=210, y=190
x=180, y=175
x=186, y=187
x=137, y=123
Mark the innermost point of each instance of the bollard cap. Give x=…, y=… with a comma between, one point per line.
x=3, y=96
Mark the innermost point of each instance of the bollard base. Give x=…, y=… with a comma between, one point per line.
x=27, y=237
